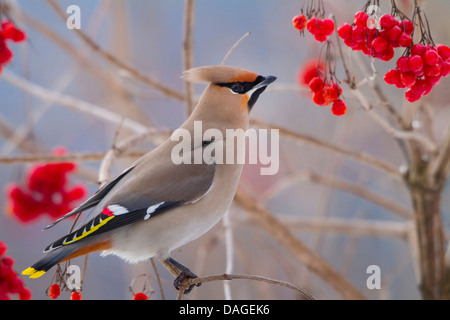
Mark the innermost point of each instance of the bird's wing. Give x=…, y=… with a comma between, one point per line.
x=94, y=200
x=139, y=197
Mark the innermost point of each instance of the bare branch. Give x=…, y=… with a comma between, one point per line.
x=343, y=185
x=70, y=102
x=152, y=82
x=301, y=252
x=358, y=156
x=407, y=135
x=188, y=51
x=349, y=227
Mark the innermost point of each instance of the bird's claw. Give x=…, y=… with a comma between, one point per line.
x=185, y=274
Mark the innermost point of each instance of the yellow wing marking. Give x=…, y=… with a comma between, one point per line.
x=88, y=232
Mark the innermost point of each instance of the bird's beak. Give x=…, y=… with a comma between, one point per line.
x=267, y=80
x=258, y=89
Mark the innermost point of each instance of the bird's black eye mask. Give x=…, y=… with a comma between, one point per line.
x=239, y=87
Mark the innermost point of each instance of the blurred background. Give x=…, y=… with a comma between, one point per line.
x=148, y=35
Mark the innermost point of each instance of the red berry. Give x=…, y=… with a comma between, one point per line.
x=422, y=87
x=387, y=22
x=394, y=34
x=415, y=63
x=3, y=248
x=11, y=32
x=321, y=37
x=345, y=31
x=5, y=53
x=408, y=79
x=431, y=71
x=407, y=26
x=76, y=295
x=25, y=294
x=443, y=51
x=379, y=44
x=361, y=18
x=411, y=96
x=418, y=49
x=339, y=108
x=393, y=77
x=308, y=71
x=432, y=81
x=331, y=93
x=312, y=25
x=387, y=54
x=405, y=40
x=445, y=69
x=140, y=296
x=430, y=57
x=54, y=291
x=316, y=84
x=358, y=33
x=328, y=26
x=299, y=22
x=318, y=98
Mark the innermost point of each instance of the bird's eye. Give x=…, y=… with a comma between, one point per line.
x=237, y=88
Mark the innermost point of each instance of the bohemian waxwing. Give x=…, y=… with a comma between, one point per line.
x=155, y=205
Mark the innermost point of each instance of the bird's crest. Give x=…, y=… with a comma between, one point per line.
x=219, y=74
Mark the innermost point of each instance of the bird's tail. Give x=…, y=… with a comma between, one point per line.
x=47, y=262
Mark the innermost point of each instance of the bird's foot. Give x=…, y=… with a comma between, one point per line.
x=185, y=274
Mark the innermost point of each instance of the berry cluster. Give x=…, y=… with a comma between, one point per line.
x=10, y=283
x=8, y=32
x=309, y=70
x=319, y=28
x=325, y=93
x=374, y=42
x=46, y=191
x=420, y=70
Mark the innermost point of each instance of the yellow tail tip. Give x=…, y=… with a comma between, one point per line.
x=37, y=274
x=28, y=271
x=33, y=273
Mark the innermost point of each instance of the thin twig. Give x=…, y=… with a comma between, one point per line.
x=356, y=155
x=301, y=252
x=70, y=102
x=340, y=184
x=407, y=135
x=234, y=47
x=438, y=167
x=72, y=157
x=229, y=251
x=188, y=51
x=158, y=278
x=152, y=82
x=349, y=227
